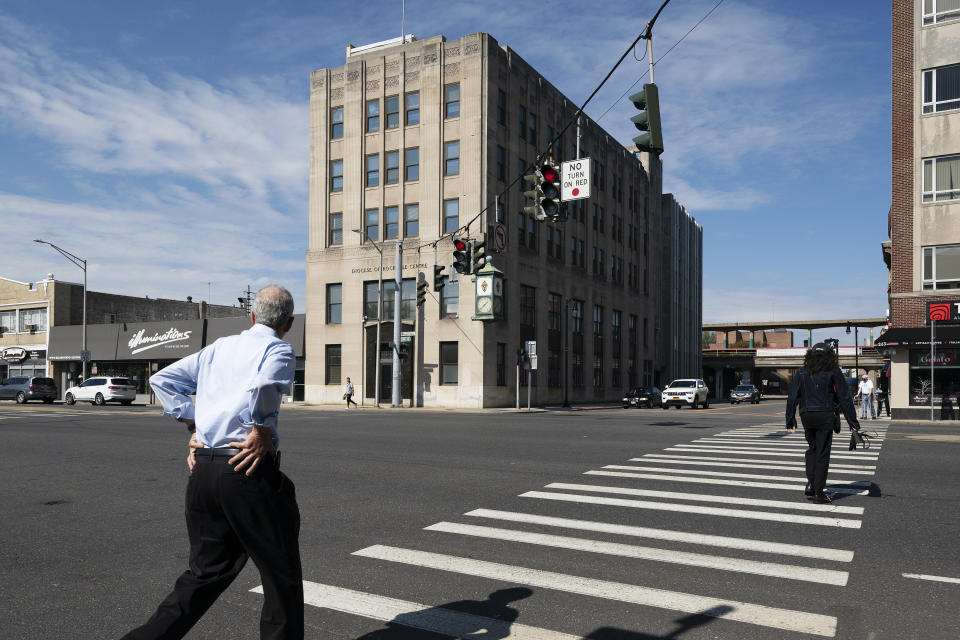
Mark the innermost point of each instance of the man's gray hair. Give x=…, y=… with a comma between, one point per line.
x=273, y=306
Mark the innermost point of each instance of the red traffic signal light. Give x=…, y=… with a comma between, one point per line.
x=459, y=245
x=549, y=173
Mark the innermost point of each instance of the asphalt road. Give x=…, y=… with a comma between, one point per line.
x=486, y=525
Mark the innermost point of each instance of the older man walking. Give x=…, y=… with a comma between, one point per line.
x=238, y=503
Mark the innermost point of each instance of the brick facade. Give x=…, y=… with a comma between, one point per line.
x=900, y=222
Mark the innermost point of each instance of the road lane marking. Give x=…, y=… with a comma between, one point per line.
x=755, y=460
x=748, y=452
x=445, y=622
x=761, y=450
x=700, y=509
x=723, y=474
x=786, y=619
x=747, y=544
x=845, y=489
x=704, y=497
x=751, y=444
x=742, y=465
x=921, y=576
x=721, y=563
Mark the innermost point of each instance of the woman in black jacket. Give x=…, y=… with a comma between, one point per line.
x=821, y=392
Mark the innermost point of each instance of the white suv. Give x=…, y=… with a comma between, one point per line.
x=103, y=390
x=689, y=391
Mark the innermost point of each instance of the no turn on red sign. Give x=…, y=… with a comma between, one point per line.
x=575, y=179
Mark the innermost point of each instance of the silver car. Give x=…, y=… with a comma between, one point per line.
x=24, y=388
x=103, y=390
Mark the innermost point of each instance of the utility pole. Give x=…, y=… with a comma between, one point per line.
x=397, y=300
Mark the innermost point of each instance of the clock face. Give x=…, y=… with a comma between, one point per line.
x=484, y=305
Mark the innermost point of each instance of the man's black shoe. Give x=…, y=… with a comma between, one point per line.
x=822, y=498
x=808, y=491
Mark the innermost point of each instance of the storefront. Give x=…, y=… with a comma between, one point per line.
x=138, y=350
x=912, y=368
x=28, y=360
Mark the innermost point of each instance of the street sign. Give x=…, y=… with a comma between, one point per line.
x=84, y=355
x=533, y=362
x=499, y=238
x=454, y=276
x=530, y=346
x=408, y=334
x=575, y=179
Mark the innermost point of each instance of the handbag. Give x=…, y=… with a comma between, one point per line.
x=836, y=422
x=861, y=439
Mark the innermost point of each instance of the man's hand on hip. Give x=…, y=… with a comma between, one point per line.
x=192, y=456
x=257, y=445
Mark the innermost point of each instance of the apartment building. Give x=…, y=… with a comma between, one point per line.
x=416, y=142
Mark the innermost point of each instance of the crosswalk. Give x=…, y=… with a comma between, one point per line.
x=33, y=414
x=724, y=505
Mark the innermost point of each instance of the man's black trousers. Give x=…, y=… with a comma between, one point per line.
x=818, y=430
x=230, y=517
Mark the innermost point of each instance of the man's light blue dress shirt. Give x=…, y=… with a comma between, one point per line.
x=238, y=381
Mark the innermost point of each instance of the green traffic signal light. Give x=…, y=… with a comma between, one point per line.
x=648, y=100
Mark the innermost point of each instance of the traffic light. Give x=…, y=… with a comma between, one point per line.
x=550, y=204
x=478, y=257
x=535, y=179
x=648, y=101
x=438, y=277
x=461, y=256
x=421, y=289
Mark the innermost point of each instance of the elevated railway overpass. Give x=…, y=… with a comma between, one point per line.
x=776, y=365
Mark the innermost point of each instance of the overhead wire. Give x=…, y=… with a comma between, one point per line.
x=543, y=155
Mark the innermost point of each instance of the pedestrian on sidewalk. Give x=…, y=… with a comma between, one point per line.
x=239, y=504
x=865, y=391
x=883, y=399
x=348, y=393
x=820, y=392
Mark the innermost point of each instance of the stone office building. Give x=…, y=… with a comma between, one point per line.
x=415, y=142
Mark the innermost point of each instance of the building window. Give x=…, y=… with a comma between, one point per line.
x=501, y=107
x=941, y=88
x=558, y=247
x=532, y=233
x=449, y=298
x=391, y=222
x=576, y=326
x=580, y=257
x=413, y=108
x=8, y=321
x=336, y=122
x=336, y=175
x=393, y=112
x=646, y=331
x=371, y=229
x=522, y=228
x=448, y=363
x=632, y=352
x=533, y=130
x=528, y=306
x=451, y=158
x=553, y=311
x=451, y=215
x=373, y=116
x=411, y=162
x=501, y=364
x=501, y=164
x=940, y=11
x=373, y=170
x=33, y=319
x=597, y=346
x=573, y=251
x=408, y=298
x=941, y=178
x=941, y=267
x=615, y=344
x=332, y=364
x=371, y=297
x=523, y=122
x=336, y=228
x=554, y=306
x=334, y=303
x=411, y=220
x=451, y=101
x=392, y=166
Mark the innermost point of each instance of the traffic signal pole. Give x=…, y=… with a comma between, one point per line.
x=397, y=303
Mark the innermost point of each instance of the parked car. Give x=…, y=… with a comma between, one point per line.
x=744, y=393
x=102, y=390
x=24, y=388
x=688, y=391
x=642, y=397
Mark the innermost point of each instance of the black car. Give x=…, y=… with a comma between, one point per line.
x=745, y=393
x=642, y=397
x=23, y=388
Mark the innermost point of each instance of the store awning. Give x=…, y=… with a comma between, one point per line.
x=947, y=336
x=65, y=342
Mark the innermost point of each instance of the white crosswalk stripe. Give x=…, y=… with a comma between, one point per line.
x=786, y=619
x=760, y=460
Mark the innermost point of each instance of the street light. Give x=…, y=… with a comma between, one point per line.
x=376, y=393
x=80, y=262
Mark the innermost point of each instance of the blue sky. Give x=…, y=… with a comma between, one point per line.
x=167, y=142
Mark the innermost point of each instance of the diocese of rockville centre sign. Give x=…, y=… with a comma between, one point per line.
x=944, y=312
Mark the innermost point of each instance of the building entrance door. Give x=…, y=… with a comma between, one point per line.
x=386, y=363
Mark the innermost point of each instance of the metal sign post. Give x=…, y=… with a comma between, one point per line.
x=932, y=323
